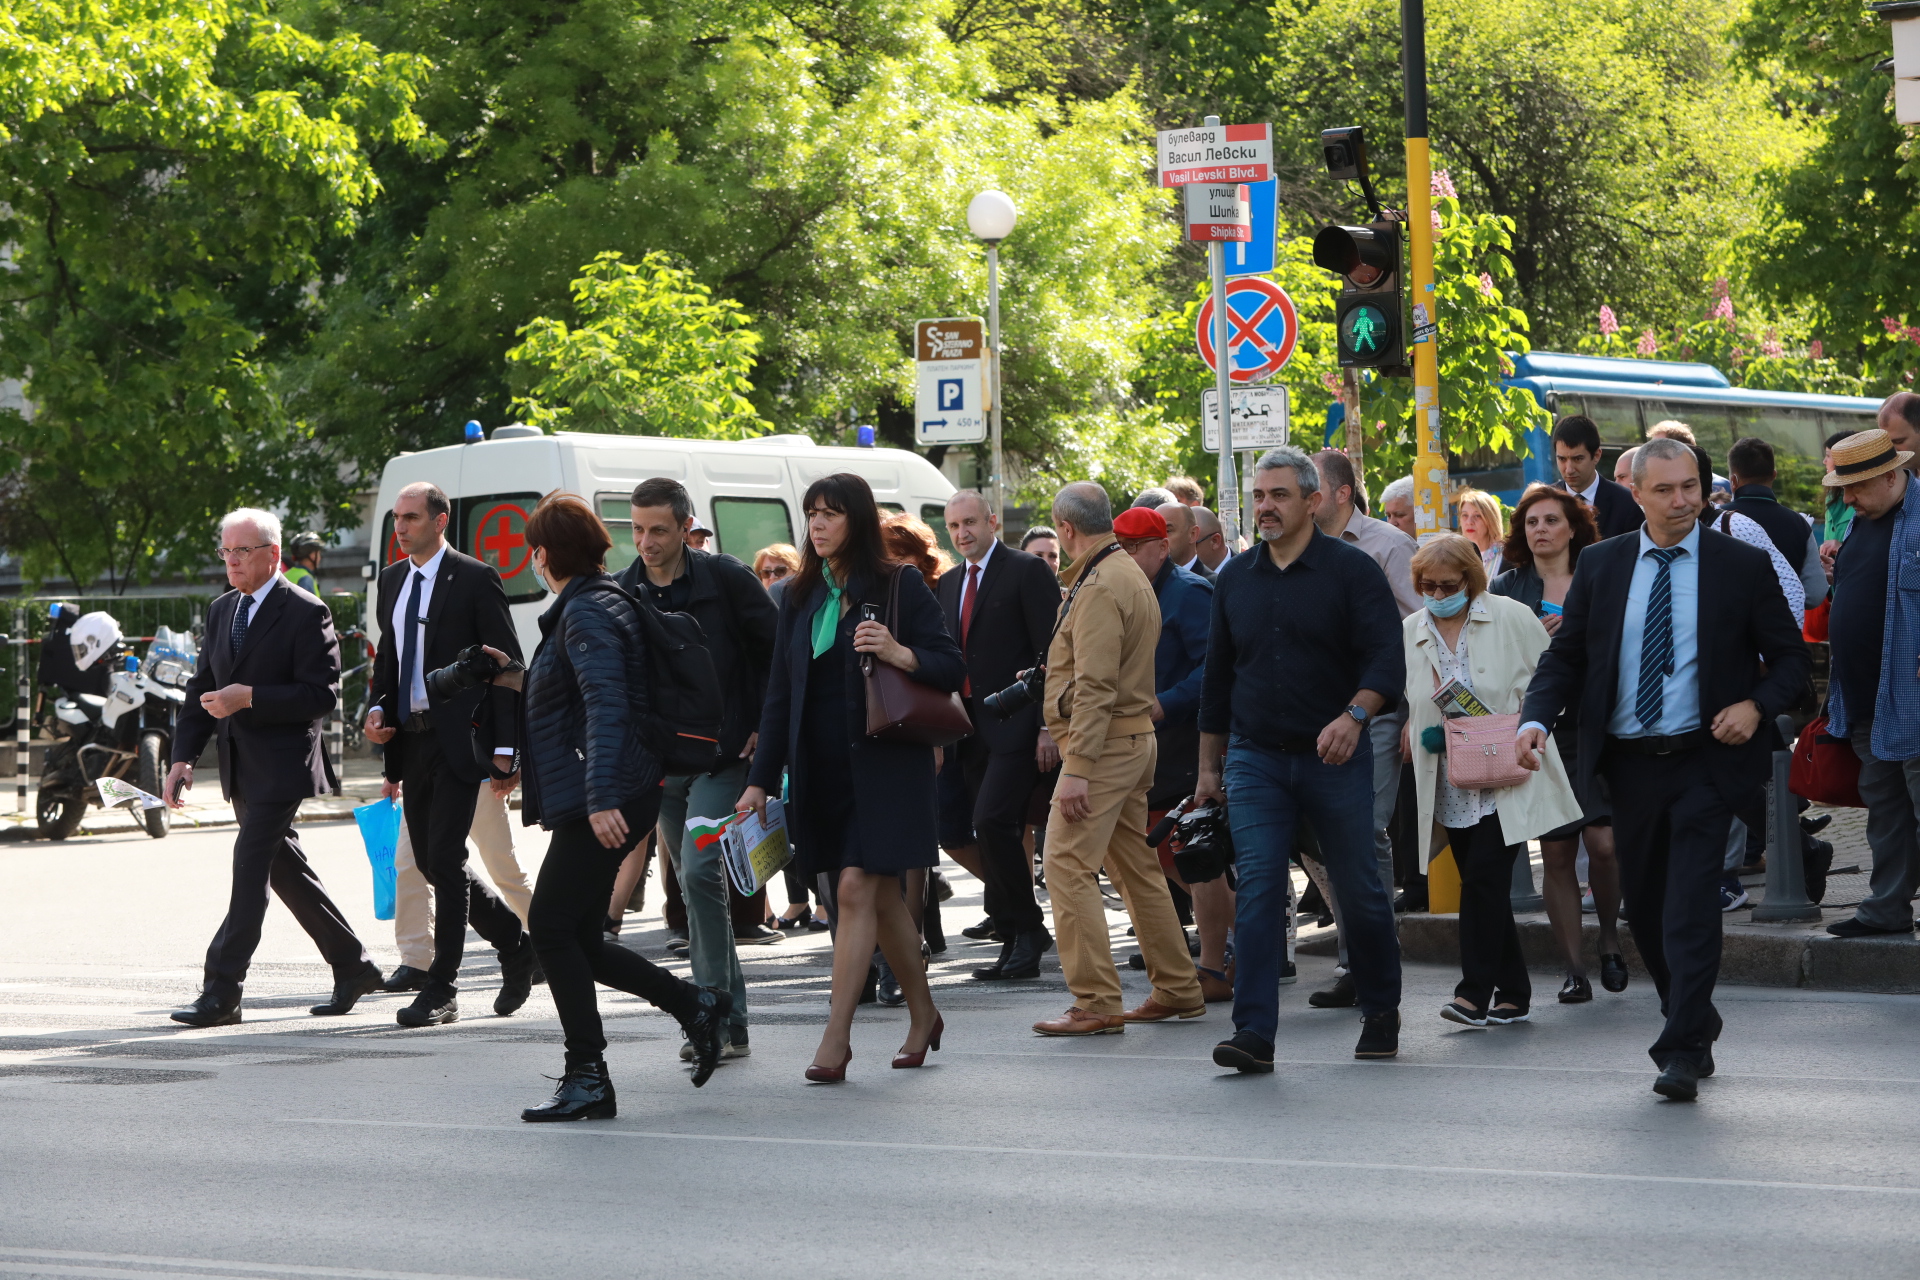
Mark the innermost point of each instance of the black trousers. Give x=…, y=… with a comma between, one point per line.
x=1670, y=834
x=439, y=812
x=1000, y=783
x=569, y=906
x=1492, y=967
x=267, y=858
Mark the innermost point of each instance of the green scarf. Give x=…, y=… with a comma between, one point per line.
x=827, y=620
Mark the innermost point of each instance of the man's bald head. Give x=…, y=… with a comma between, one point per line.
x=1900, y=419
x=1179, y=518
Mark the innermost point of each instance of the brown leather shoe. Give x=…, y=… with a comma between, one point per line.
x=1152, y=1010
x=1078, y=1022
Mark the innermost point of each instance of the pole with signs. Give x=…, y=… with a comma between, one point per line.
x=1430, y=460
x=991, y=216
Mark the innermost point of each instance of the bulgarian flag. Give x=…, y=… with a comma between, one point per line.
x=704, y=831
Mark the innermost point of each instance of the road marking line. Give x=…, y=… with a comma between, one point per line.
x=1262, y=1161
x=207, y=1264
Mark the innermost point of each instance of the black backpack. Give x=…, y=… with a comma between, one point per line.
x=685, y=704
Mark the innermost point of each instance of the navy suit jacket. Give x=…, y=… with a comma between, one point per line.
x=1614, y=509
x=1012, y=622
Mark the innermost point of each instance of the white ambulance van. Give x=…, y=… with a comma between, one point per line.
x=747, y=491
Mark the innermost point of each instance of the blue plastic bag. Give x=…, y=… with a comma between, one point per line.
x=380, y=830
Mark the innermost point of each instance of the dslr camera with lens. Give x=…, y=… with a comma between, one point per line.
x=472, y=666
x=1027, y=689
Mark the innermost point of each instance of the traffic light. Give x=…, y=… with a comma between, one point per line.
x=1368, y=310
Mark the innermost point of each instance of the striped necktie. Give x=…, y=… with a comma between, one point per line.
x=239, y=634
x=1656, y=643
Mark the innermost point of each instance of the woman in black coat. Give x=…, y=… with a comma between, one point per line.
x=588, y=777
x=862, y=810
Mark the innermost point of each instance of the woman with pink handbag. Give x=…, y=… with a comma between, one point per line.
x=1469, y=658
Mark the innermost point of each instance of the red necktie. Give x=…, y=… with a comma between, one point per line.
x=966, y=618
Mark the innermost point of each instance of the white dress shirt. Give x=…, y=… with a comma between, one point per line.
x=1589, y=494
x=967, y=582
x=417, y=695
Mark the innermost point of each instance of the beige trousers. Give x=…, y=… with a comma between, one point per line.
x=1116, y=835
x=492, y=835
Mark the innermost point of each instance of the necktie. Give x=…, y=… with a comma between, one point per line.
x=240, y=623
x=409, y=647
x=971, y=593
x=1656, y=644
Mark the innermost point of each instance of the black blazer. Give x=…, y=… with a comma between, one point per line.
x=1012, y=621
x=291, y=657
x=893, y=782
x=468, y=607
x=1614, y=509
x=1743, y=622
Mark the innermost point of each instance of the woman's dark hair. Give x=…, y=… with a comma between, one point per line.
x=1518, y=555
x=572, y=535
x=1037, y=532
x=863, y=555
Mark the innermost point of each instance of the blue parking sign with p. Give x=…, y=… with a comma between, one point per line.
x=952, y=397
x=1255, y=257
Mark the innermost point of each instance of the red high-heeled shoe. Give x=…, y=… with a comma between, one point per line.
x=903, y=1059
x=831, y=1075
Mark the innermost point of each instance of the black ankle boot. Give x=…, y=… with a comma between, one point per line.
x=585, y=1093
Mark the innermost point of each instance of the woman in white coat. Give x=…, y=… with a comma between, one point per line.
x=1489, y=644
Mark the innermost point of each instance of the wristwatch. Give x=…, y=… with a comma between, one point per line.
x=1358, y=712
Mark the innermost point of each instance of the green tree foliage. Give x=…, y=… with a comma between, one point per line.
x=170, y=174
x=1843, y=233
x=654, y=353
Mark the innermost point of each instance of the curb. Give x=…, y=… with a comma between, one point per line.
x=1796, y=955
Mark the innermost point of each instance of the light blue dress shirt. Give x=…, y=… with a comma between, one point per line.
x=1680, y=707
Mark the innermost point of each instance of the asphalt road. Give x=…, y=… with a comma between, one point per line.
x=293, y=1146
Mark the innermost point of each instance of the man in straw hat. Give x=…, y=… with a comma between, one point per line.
x=1874, y=691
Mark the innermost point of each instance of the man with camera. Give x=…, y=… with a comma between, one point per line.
x=1098, y=704
x=999, y=607
x=738, y=619
x=429, y=702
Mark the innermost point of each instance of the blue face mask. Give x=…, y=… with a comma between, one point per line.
x=1447, y=606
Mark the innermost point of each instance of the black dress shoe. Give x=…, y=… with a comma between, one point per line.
x=1679, y=1081
x=983, y=931
x=1816, y=860
x=516, y=977
x=347, y=991
x=585, y=1093
x=1706, y=1063
x=209, y=1011
x=429, y=1009
x=1576, y=990
x=1814, y=826
x=707, y=1032
x=1854, y=927
x=889, y=986
x=1613, y=971
x=405, y=978
x=1020, y=961
x=1246, y=1053
x=1340, y=995
x=992, y=972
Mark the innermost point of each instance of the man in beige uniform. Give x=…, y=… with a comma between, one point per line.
x=1098, y=707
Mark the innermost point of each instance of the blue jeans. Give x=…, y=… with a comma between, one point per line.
x=1267, y=793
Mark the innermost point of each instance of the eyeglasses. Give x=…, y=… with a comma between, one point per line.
x=1430, y=588
x=774, y=572
x=238, y=553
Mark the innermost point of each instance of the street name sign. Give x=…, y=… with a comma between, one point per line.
x=950, y=406
x=1216, y=153
x=1255, y=255
x=1260, y=418
x=1219, y=211
x=1261, y=329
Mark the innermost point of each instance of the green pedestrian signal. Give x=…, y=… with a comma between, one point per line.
x=1364, y=331
x=1367, y=310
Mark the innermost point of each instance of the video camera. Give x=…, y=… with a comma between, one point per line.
x=472, y=666
x=1027, y=689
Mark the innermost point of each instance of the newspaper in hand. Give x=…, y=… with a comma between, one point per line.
x=113, y=792
x=755, y=850
x=1455, y=699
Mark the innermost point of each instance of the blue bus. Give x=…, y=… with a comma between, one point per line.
x=1625, y=397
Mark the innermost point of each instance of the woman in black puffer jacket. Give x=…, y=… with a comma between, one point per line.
x=588, y=778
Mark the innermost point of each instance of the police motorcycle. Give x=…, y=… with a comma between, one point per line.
x=125, y=733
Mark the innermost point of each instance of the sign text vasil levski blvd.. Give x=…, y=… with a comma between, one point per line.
x=1216, y=153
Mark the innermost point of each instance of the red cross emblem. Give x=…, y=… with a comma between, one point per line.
x=501, y=536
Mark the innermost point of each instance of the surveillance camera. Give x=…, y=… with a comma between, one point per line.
x=1345, y=150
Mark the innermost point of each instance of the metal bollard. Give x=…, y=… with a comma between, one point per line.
x=1523, y=895
x=23, y=712
x=1786, y=898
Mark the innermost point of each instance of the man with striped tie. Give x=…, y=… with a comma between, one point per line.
x=269, y=675
x=1677, y=650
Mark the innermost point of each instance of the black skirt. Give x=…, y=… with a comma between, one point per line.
x=1594, y=810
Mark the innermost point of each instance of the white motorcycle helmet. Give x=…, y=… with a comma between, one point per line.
x=92, y=636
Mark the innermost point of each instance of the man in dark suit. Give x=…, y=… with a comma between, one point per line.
x=999, y=605
x=432, y=605
x=269, y=675
x=1576, y=452
x=1678, y=649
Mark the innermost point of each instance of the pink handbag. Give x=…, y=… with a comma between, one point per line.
x=1480, y=752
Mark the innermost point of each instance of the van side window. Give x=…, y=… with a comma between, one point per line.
x=616, y=512
x=935, y=514
x=493, y=529
x=744, y=525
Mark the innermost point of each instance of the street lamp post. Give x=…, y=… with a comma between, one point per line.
x=990, y=216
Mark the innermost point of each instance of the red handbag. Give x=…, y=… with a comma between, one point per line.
x=1825, y=770
x=900, y=708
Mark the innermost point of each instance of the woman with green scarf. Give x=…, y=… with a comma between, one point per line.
x=862, y=811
